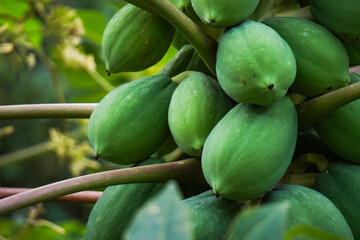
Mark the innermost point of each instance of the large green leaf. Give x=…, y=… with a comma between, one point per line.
x=307, y=232
x=263, y=223
x=163, y=217
x=94, y=23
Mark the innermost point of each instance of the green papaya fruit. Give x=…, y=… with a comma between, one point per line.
x=223, y=13
x=307, y=206
x=117, y=205
x=340, y=131
x=196, y=106
x=210, y=216
x=250, y=148
x=339, y=182
x=321, y=59
x=130, y=123
x=135, y=39
x=245, y=63
x=179, y=62
x=182, y=5
x=342, y=18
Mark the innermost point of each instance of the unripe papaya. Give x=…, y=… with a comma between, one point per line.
x=182, y=5
x=340, y=131
x=197, y=104
x=135, y=39
x=307, y=206
x=250, y=148
x=130, y=123
x=246, y=60
x=342, y=18
x=223, y=13
x=339, y=182
x=117, y=205
x=210, y=216
x=321, y=59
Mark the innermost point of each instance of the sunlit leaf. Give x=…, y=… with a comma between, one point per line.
x=13, y=8
x=33, y=28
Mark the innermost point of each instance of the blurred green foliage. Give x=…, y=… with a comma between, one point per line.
x=41, y=42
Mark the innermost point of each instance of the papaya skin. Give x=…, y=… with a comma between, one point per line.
x=254, y=64
x=196, y=106
x=130, y=123
x=134, y=40
x=210, y=216
x=337, y=183
x=321, y=58
x=223, y=13
x=307, y=206
x=249, y=150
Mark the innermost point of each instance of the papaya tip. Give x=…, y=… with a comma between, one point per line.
x=217, y=194
x=97, y=156
x=183, y=9
x=108, y=72
x=271, y=86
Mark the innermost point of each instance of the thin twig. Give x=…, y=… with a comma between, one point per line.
x=313, y=110
x=188, y=171
x=79, y=197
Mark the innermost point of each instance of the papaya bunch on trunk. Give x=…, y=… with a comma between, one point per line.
x=237, y=118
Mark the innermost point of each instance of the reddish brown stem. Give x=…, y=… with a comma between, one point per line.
x=80, y=197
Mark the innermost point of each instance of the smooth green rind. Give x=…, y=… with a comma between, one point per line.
x=310, y=207
x=179, y=62
x=181, y=4
x=307, y=232
x=250, y=148
x=343, y=20
x=263, y=223
x=223, y=13
x=339, y=184
x=130, y=123
x=321, y=59
x=340, y=130
x=162, y=217
x=247, y=60
x=135, y=39
x=210, y=216
x=196, y=106
x=116, y=207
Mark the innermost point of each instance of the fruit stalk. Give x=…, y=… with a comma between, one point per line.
x=80, y=197
x=203, y=43
x=313, y=110
x=188, y=170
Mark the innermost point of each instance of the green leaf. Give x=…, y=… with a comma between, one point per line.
x=13, y=8
x=163, y=217
x=94, y=23
x=33, y=28
x=266, y=222
x=307, y=232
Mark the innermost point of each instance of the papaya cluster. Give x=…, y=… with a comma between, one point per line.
x=240, y=122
